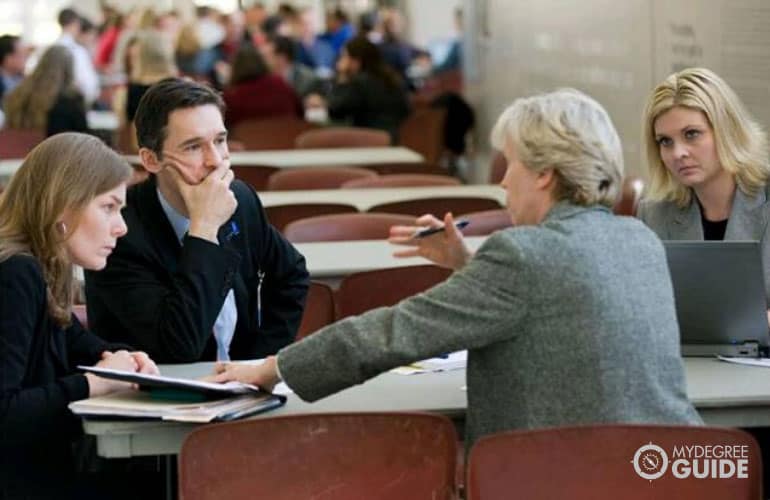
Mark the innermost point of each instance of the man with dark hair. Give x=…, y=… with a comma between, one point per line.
x=279, y=53
x=13, y=58
x=201, y=274
x=86, y=78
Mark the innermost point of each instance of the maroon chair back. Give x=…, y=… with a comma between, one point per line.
x=423, y=131
x=278, y=132
x=342, y=456
x=17, y=142
x=438, y=206
x=319, y=309
x=598, y=462
x=486, y=222
x=292, y=179
x=281, y=216
x=255, y=175
x=343, y=137
x=344, y=227
x=405, y=168
x=497, y=168
x=361, y=292
x=402, y=180
x=629, y=196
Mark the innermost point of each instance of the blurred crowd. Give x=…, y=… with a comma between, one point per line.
x=266, y=63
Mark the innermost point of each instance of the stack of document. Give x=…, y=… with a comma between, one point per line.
x=454, y=361
x=142, y=404
x=178, y=399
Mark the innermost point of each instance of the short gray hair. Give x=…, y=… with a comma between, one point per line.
x=571, y=133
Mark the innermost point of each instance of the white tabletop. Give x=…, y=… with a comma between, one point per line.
x=337, y=259
x=320, y=157
x=724, y=394
x=363, y=199
x=102, y=120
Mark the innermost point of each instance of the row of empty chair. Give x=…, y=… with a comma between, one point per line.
x=304, y=223
x=363, y=291
x=408, y=456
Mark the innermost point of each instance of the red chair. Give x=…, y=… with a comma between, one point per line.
x=319, y=309
x=361, y=292
x=438, y=206
x=279, y=132
x=17, y=142
x=401, y=180
x=405, y=168
x=255, y=175
x=292, y=179
x=423, y=131
x=343, y=137
x=281, y=216
x=344, y=227
x=597, y=462
x=486, y=222
x=497, y=168
x=629, y=196
x=342, y=456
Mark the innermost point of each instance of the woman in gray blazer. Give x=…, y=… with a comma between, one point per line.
x=708, y=164
x=554, y=334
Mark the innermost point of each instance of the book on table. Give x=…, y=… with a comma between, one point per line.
x=178, y=399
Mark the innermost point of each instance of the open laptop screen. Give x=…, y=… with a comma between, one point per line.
x=720, y=296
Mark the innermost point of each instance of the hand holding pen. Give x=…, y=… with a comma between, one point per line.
x=440, y=242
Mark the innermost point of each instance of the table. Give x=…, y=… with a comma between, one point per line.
x=103, y=120
x=333, y=260
x=334, y=157
x=363, y=199
x=724, y=394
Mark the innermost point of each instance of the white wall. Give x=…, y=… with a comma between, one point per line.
x=616, y=52
x=430, y=19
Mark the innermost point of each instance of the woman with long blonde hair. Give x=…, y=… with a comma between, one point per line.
x=61, y=209
x=708, y=164
x=48, y=100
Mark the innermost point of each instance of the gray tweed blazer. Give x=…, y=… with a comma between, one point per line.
x=568, y=322
x=748, y=221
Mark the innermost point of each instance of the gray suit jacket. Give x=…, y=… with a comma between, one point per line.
x=748, y=221
x=568, y=322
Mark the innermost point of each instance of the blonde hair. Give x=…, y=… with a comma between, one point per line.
x=27, y=106
x=155, y=58
x=571, y=133
x=741, y=144
x=64, y=172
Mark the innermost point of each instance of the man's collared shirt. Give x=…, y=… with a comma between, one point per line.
x=224, y=327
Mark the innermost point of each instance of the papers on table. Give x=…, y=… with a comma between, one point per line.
x=179, y=399
x=454, y=361
x=145, y=380
x=142, y=404
x=764, y=362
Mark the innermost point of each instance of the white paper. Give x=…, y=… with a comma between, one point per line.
x=763, y=362
x=226, y=388
x=454, y=361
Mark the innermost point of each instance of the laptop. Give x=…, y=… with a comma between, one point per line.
x=720, y=297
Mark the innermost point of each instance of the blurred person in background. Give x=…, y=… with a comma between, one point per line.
x=13, y=59
x=86, y=78
x=152, y=61
x=254, y=92
x=48, y=100
x=366, y=92
x=279, y=53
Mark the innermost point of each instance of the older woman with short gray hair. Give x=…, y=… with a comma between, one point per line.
x=546, y=309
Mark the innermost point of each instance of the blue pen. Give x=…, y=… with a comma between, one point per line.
x=422, y=233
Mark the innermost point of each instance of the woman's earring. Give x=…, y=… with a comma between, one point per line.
x=61, y=227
